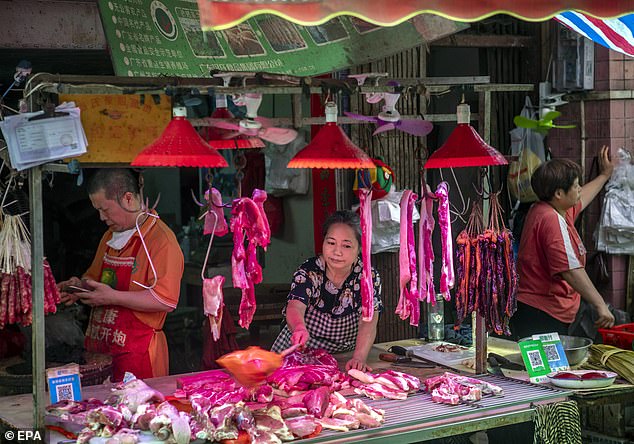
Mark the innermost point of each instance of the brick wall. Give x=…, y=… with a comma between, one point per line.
x=607, y=122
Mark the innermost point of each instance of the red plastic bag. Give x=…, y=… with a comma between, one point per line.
x=252, y=366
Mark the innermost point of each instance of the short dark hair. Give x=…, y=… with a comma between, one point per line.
x=553, y=175
x=346, y=217
x=114, y=182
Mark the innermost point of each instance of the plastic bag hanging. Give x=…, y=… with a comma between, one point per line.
x=615, y=232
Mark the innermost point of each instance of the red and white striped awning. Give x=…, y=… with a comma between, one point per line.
x=222, y=14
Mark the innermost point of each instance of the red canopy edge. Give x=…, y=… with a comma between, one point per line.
x=222, y=14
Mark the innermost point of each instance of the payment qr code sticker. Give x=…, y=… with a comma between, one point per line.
x=551, y=352
x=536, y=359
x=65, y=392
x=64, y=383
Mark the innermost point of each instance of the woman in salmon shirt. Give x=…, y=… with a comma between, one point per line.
x=552, y=257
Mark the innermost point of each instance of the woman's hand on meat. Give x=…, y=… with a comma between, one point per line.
x=300, y=336
x=358, y=364
x=101, y=294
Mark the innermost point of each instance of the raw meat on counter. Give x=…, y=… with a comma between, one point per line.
x=450, y=388
x=297, y=401
x=313, y=356
x=390, y=384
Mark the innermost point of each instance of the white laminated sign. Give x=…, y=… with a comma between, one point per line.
x=33, y=139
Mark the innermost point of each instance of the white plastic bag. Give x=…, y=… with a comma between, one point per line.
x=615, y=231
x=281, y=180
x=528, y=145
x=386, y=222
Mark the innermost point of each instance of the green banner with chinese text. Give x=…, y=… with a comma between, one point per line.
x=150, y=38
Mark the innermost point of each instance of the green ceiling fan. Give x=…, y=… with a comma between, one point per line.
x=542, y=125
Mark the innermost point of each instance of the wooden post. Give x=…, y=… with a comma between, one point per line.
x=480, y=328
x=37, y=274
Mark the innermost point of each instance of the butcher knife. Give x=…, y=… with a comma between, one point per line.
x=402, y=351
x=403, y=361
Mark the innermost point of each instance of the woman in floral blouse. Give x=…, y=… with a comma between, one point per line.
x=323, y=308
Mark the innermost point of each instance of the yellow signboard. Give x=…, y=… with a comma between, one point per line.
x=118, y=127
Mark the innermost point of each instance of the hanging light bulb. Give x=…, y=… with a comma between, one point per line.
x=465, y=147
x=179, y=146
x=331, y=148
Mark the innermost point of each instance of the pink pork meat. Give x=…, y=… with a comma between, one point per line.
x=367, y=289
x=447, y=273
x=215, y=216
x=426, y=290
x=248, y=220
x=408, y=306
x=213, y=301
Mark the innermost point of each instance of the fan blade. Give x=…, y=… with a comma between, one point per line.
x=278, y=136
x=383, y=128
x=415, y=127
x=374, y=97
x=564, y=126
x=550, y=116
x=525, y=122
x=266, y=123
x=224, y=124
x=361, y=117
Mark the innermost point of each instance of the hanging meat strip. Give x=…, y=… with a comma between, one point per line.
x=215, y=217
x=426, y=290
x=408, y=304
x=248, y=220
x=213, y=301
x=367, y=289
x=446, y=239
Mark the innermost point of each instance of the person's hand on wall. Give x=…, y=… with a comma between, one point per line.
x=605, y=163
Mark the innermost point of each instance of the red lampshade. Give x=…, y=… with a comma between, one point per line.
x=221, y=139
x=464, y=147
x=331, y=148
x=179, y=146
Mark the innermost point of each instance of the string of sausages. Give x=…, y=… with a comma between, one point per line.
x=485, y=270
x=15, y=284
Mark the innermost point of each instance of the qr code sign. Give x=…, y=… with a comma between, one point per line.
x=552, y=354
x=535, y=359
x=64, y=392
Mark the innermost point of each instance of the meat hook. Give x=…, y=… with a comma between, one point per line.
x=147, y=253
x=211, y=239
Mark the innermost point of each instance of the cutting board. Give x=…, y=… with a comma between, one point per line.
x=428, y=351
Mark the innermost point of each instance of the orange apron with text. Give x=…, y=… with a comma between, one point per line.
x=115, y=330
